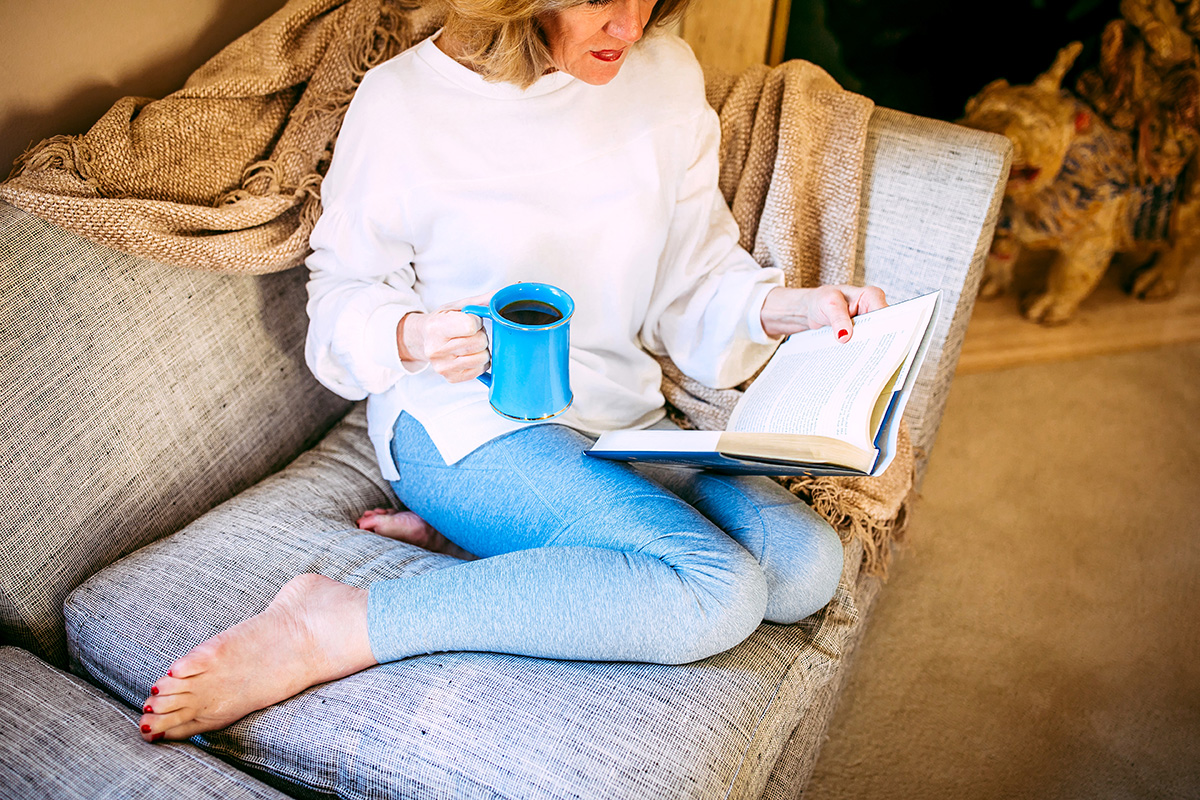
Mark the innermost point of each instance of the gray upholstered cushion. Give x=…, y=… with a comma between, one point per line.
x=458, y=725
x=65, y=740
x=135, y=397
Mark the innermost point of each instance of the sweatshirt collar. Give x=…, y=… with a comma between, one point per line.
x=467, y=78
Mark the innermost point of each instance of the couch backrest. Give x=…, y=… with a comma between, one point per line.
x=136, y=397
x=931, y=196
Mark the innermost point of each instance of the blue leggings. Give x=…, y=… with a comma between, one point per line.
x=587, y=559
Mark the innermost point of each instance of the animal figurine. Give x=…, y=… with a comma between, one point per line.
x=1148, y=83
x=1075, y=189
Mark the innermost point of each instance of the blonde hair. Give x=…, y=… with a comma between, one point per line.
x=503, y=40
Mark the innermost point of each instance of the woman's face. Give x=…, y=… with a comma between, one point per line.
x=589, y=41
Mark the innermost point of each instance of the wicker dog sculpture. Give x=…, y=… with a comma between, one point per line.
x=1076, y=189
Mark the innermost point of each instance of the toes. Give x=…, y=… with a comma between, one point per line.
x=166, y=695
x=195, y=662
x=166, y=703
x=159, y=726
x=368, y=517
x=167, y=685
x=180, y=732
x=404, y=526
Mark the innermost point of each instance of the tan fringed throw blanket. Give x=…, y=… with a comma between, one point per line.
x=792, y=143
x=225, y=173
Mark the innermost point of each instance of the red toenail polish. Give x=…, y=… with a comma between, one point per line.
x=842, y=334
x=169, y=674
x=157, y=736
x=145, y=729
x=147, y=709
x=153, y=690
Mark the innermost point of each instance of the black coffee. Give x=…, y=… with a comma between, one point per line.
x=530, y=312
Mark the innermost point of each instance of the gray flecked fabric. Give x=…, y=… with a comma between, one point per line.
x=931, y=196
x=744, y=724
x=136, y=396
x=454, y=725
x=66, y=740
x=794, y=767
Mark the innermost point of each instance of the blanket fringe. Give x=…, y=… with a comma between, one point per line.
x=837, y=505
x=316, y=109
x=66, y=153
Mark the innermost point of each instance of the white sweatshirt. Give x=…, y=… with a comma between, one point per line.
x=444, y=186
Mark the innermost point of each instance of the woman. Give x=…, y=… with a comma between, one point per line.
x=534, y=140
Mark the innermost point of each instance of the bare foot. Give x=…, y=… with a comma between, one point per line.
x=314, y=631
x=405, y=526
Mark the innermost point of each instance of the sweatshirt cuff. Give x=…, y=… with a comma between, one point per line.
x=754, y=318
x=380, y=333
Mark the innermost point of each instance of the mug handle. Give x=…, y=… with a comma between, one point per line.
x=485, y=313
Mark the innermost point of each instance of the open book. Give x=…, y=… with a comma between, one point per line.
x=819, y=407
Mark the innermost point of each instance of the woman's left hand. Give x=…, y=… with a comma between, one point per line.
x=787, y=311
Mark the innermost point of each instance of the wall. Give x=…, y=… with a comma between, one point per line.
x=63, y=63
x=736, y=34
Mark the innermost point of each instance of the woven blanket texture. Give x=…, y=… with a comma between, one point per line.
x=225, y=175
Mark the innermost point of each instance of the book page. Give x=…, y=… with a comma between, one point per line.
x=816, y=385
x=888, y=434
x=813, y=383
x=885, y=399
x=659, y=441
x=923, y=309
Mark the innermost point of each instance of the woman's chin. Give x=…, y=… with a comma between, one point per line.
x=596, y=81
x=595, y=71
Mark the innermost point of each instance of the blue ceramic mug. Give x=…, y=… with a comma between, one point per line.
x=531, y=345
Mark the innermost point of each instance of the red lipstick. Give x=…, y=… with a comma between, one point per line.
x=607, y=55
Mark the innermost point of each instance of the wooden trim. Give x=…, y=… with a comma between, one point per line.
x=734, y=34
x=779, y=31
x=1109, y=321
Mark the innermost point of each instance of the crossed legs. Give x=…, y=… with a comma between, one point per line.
x=581, y=559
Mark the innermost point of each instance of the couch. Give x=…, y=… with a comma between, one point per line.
x=168, y=463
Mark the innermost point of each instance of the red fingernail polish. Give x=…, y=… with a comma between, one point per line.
x=842, y=334
x=153, y=690
x=147, y=709
x=169, y=673
x=145, y=729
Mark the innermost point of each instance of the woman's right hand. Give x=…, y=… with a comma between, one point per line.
x=452, y=341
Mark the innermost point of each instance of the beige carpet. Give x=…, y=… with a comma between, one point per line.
x=1040, y=633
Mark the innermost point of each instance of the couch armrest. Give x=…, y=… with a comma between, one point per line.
x=931, y=196
x=63, y=739
x=136, y=397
